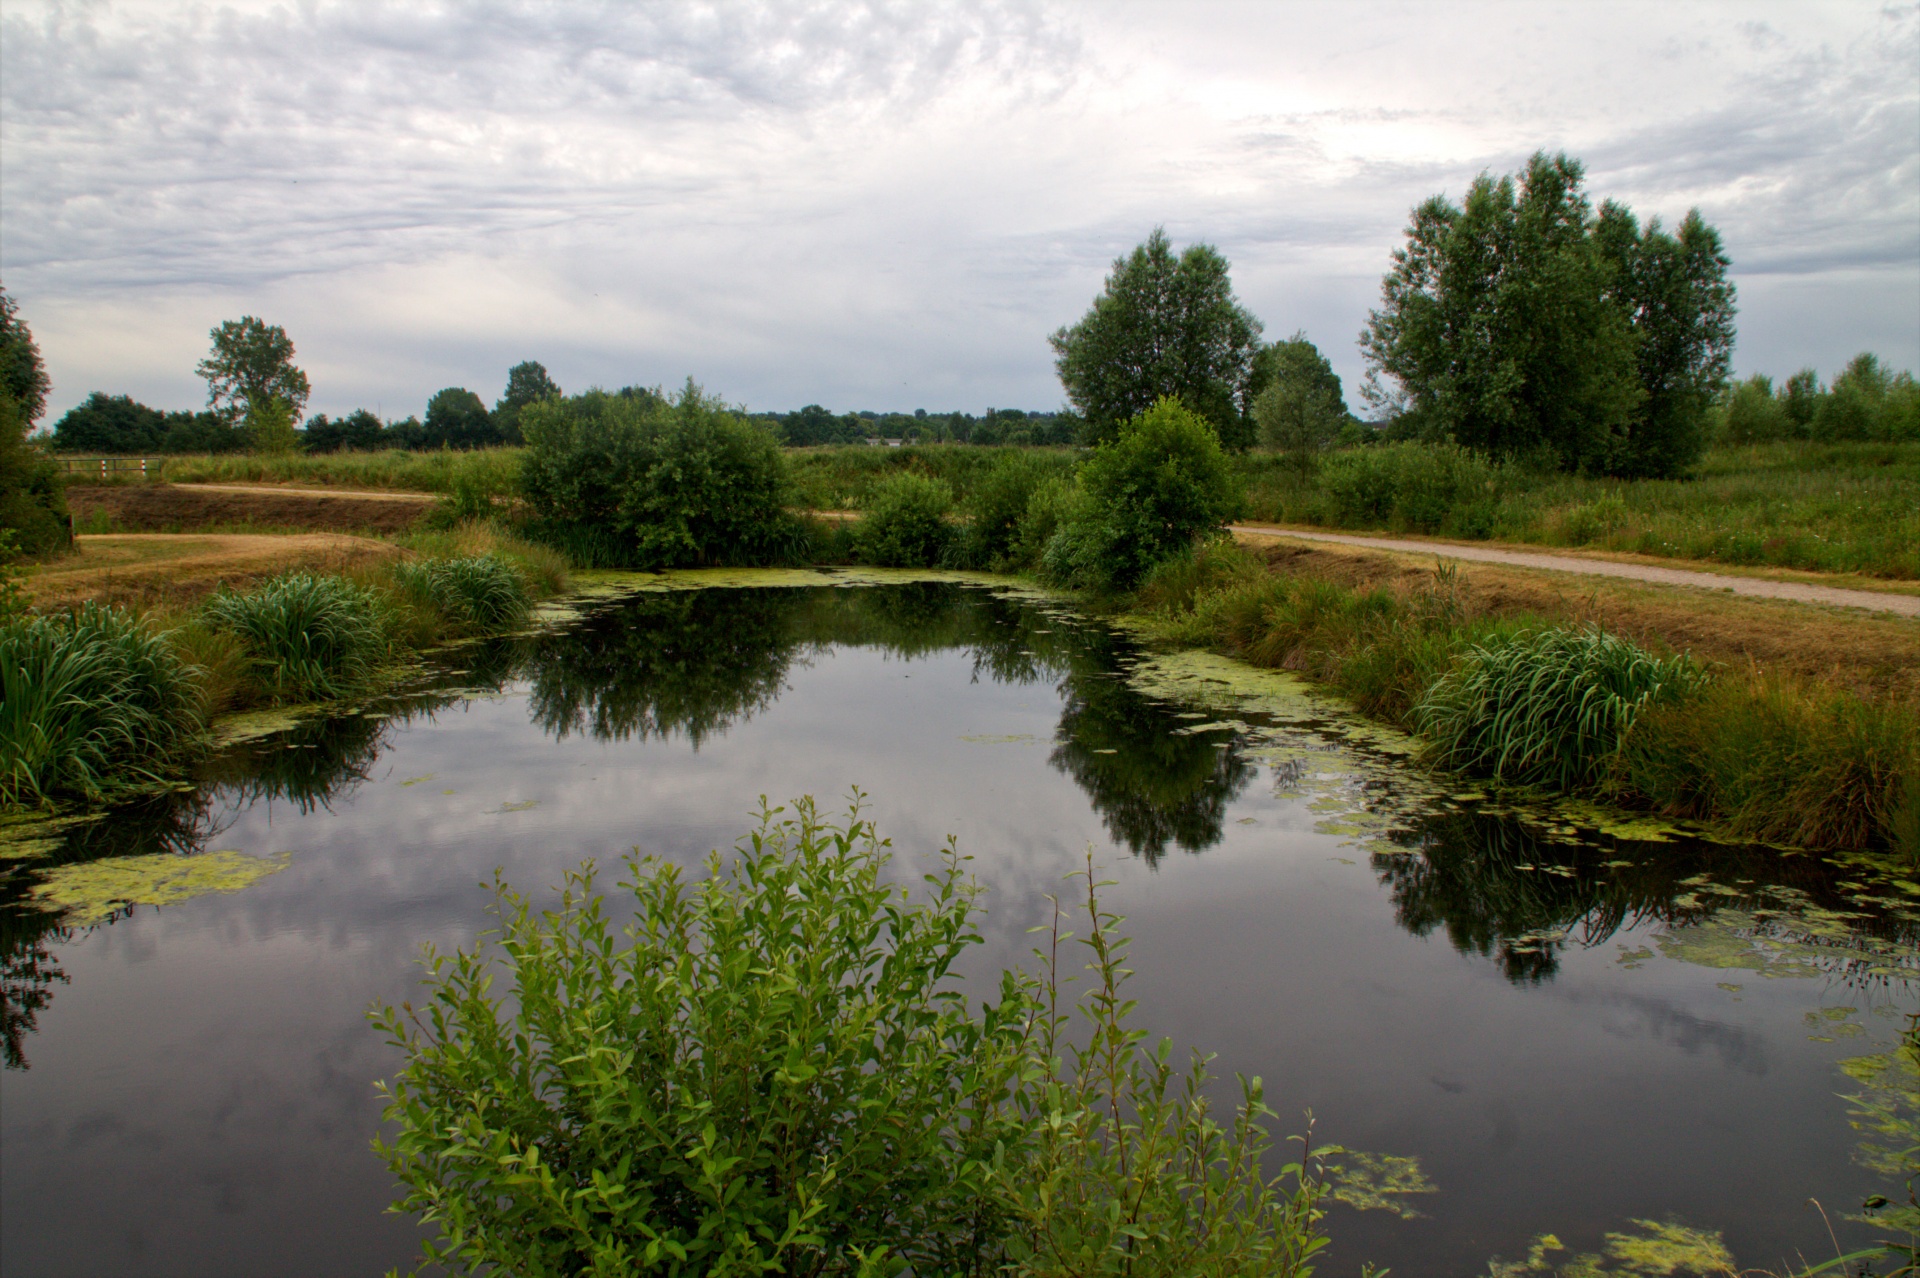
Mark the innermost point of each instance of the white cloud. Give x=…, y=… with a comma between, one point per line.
x=883, y=205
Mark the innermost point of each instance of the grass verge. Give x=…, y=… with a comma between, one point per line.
x=1528, y=699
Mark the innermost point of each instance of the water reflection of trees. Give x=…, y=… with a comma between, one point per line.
x=1501, y=891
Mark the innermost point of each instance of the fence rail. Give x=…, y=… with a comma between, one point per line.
x=147, y=467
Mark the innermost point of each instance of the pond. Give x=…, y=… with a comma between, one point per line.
x=1570, y=1025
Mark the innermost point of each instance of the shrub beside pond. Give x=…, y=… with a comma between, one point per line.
x=769, y=1071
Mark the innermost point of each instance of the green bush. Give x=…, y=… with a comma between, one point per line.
x=1410, y=487
x=905, y=525
x=91, y=702
x=477, y=591
x=1148, y=494
x=771, y=1073
x=306, y=637
x=998, y=508
x=1547, y=707
x=766, y=1076
x=641, y=481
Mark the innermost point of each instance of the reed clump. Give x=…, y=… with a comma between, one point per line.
x=1548, y=707
x=306, y=637
x=480, y=592
x=92, y=703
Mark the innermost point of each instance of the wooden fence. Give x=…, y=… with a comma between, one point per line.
x=106, y=467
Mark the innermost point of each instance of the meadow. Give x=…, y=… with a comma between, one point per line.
x=1851, y=507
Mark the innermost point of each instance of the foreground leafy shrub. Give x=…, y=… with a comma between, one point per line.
x=306, y=637
x=472, y=590
x=1146, y=495
x=1411, y=487
x=769, y=1072
x=1547, y=707
x=998, y=508
x=906, y=522
x=766, y=1075
x=641, y=481
x=90, y=702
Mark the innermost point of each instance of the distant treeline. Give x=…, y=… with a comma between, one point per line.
x=457, y=418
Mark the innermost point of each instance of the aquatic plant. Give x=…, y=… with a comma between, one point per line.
x=91, y=702
x=481, y=591
x=771, y=1072
x=306, y=636
x=906, y=522
x=1546, y=707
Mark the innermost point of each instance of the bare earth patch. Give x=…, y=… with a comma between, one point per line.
x=149, y=569
x=187, y=507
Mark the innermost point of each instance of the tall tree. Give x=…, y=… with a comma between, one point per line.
x=105, y=423
x=22, y=375
x=1164, y=325
x=1518, y=323
x=1677, y=298
x=1496, y=327
x=252, y=363
x=527, y=383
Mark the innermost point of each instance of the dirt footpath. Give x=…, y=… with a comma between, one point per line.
x=173, y=570
x=1767, y=588
x=186, y=507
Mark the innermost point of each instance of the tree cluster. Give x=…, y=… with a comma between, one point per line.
x=1866, y=402
x=1520, y=324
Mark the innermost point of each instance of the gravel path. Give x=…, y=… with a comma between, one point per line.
x=1905, y=605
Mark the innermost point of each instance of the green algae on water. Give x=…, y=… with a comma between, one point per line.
x=93, y=891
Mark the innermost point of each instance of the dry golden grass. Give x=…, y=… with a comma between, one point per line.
x=1866, y=653
x=169, y=571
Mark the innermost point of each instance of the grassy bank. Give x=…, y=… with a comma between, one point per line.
x=1818, y=507
x=1529, y=700
x=103, y=701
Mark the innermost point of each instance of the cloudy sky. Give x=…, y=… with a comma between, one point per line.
x=886, y=206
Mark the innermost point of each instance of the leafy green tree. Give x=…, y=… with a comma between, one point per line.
x=358, y=432
x=1677, y=297
x=1144, y=496
x=456, y=418
x=22, y=374
x=270, y=428
x=251, y=363
x=1519, y=324
x=1868, y=401
x=1754, y=414
x=1802, y=401
x=202, y=433
x=1298, y=407
x=527, y=383
x=33, y=505
x=1164, y=325
x=104, y=423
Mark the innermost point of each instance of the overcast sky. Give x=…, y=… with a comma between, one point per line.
x=886, y=206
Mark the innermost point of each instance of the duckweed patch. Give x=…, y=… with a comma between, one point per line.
x=94, y=891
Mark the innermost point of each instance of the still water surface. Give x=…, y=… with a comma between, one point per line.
x=1568, y=1030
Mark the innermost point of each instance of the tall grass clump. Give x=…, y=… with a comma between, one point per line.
x=472, y=591
x=306, y=637
x=91, y=702
x=1547, y=707
x=771, y=1071
x=1786, y=763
